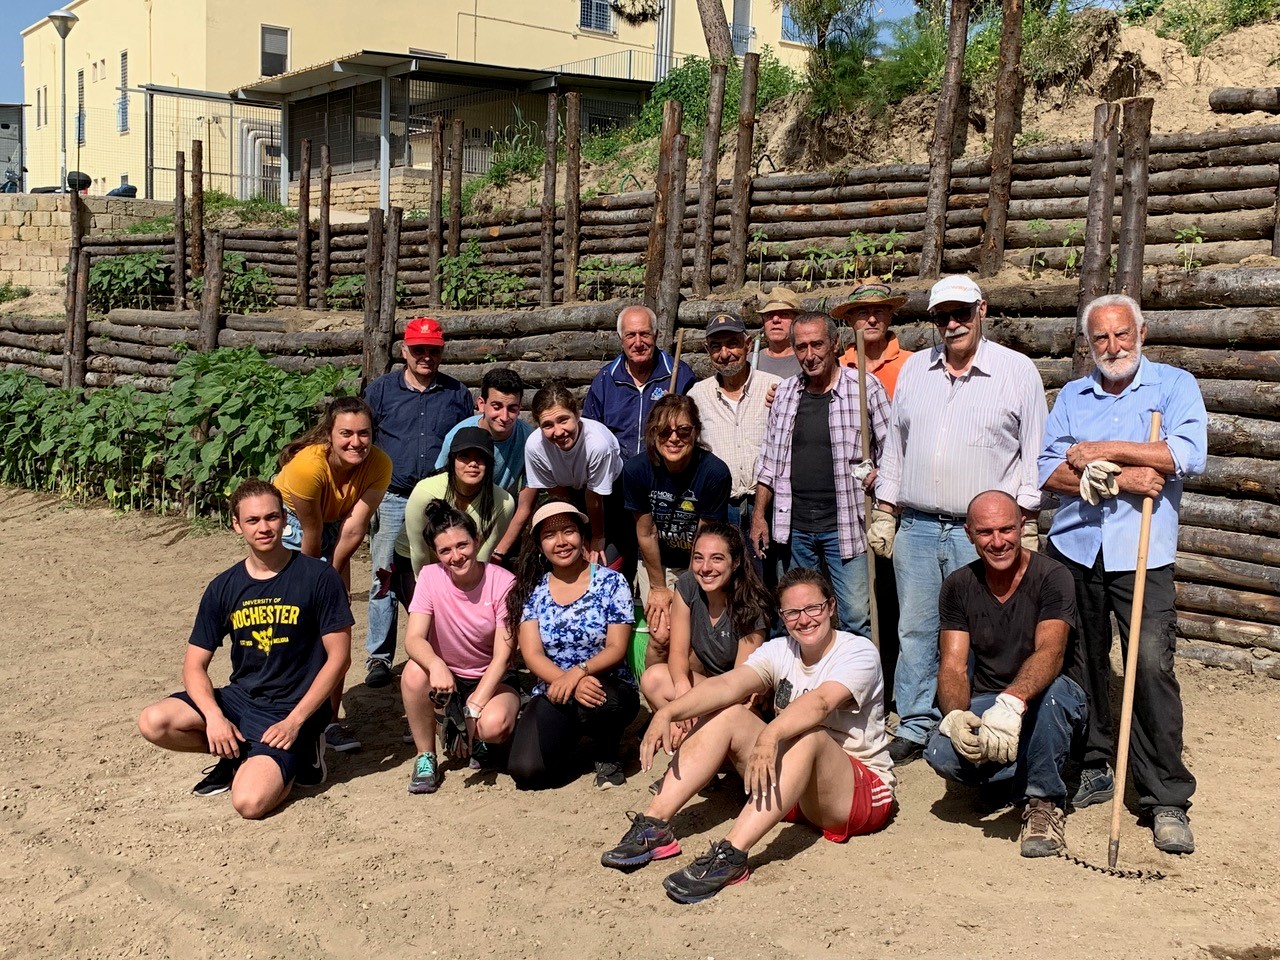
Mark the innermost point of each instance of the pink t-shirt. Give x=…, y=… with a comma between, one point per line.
x=462, y=621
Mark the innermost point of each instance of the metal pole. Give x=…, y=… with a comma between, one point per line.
x=62, y=183
x=384, y=147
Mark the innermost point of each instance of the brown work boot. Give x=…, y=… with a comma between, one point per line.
x=1043, y=829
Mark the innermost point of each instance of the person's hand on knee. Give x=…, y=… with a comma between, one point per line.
x=961, y=728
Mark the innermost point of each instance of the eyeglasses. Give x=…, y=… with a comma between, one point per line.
x=812, y=611
x=944, y=317
x=684, y=431
x=421, y=351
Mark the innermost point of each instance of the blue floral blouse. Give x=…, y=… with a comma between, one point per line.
x=574, y=633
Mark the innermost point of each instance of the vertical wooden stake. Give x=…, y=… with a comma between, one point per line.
x=1136, y=137
x=180, y=231
x=740, y=215
x=433, y=209
x=211, y=298
x=1007, y=97
x=1095, y=263
x=864, y=422
x=572, y=192
x=673, y=244
x=943, y=146
x=303, y=286
x=455, y=186
x=197, y=209
x=387, y=307
x=704, y=235
x=323, y=254
x=73, y=257
x=375, y=358
x=80, y=322
x=672, y=119
x=550, y=139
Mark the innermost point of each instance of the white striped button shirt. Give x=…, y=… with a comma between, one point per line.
x=951, y=438
x=733, y=432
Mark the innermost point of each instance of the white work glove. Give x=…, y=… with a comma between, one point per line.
x=1031, y=535
x=1001, y=727
x=1098, y=481
x=862, y=471
x=880, y=532
x=961, y=726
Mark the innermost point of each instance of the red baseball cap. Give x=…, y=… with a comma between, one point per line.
x=424, y=332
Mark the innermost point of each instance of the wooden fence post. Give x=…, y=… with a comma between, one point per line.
x=550, y=138
x=323, y=254
x=387, y=307
x=1275, y=231
x=942, y=149
x=672, y=119
x=433, y=210
x=572, y=192
x=375, y=351
x=303, y=285
x=1136, y=138
x=73, y=257
x=211, y=297
x=197, y=209
x=673, y=254
x=455, y=186
x=1095, y=262
x=1008, y=89
x=705, y=224
x=180, y=231
x=740, y=215
x=78, y=341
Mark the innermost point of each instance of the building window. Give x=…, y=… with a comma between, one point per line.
x=596, y=15
x=275, y=51
x=792, y=32
x=80, y=107
x=122, y=104
x=39, y=101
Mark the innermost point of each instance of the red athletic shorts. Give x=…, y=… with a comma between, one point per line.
x=870, y=810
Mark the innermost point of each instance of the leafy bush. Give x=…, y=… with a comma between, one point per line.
x=245, y=289
x=346, y=293
x=224, y=420
x=256, y=211
x=9, y=291
x=856, y=69
x=466, y=283
x=138, y=280
x=1197, y=23
x=600, y=278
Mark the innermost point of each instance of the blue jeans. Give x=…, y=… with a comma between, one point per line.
x=821, y=551
x=1052, y=722
x=291, y=535
x=926, y=551
x=380, y=641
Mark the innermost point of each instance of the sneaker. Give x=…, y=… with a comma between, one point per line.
x=1097, y=785
x=903, y=751
x=313, y=771
x=217, y=778
x=426, y=776
x=609, y=774
x=648, y=838
x=721, y=866
x=377, y=674
x=1044, y=827
x=340, y=739
x=1171, y=830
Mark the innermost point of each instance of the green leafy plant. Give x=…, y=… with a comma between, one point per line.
x=11, y=291
x=1188, y=238
x=465, y=283
x=1036, y=228
x=245, y=289
x=1071, y=266
x=690, y=83
x=138, y=280
x=346, y=293
x=600, y=278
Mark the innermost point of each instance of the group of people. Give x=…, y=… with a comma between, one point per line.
x=704, y=544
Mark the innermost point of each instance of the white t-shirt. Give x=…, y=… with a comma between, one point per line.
x=852, y=661
x=593, y=462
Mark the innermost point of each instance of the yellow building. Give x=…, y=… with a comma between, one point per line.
x=134, y=69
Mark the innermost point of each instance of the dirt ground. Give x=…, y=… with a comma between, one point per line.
x=106, y=854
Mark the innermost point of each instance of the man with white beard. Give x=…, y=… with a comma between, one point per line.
x=1098, y=460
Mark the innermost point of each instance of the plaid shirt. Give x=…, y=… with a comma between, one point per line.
x=846, y=452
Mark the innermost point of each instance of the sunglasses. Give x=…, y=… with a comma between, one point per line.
x=943, y=317
x=684, y=432
x=425, y=351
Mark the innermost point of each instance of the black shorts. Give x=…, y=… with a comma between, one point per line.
x=466, y=686
x=253, y=721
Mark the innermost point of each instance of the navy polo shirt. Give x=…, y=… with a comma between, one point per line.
x=410, y=425
x=616, y=401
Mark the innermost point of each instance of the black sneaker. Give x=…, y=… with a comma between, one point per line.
x=903, y=751
x=217, y=778
x=377, y=674
x=648, y=838
x=313, y=771
x=721, y=866
x=609, y=774
x=340, y=739
x=1097, y=785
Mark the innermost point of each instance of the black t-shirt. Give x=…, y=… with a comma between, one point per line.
x=275, y=627
x=716, y=644
x=677, y=502
x=813, y=474
x=1003, y=635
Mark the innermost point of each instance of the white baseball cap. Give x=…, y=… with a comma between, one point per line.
x=955, y=289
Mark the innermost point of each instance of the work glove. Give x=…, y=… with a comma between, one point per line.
x=961, y=726
x=1001, y=727
x=880, y=532
x=1098, y=481
x=1031, y=535
x=862, y=471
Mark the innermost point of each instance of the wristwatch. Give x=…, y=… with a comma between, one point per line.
x=585, y=668
x=470, y=712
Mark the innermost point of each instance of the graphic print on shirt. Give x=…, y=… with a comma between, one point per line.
x=676, y=518
x=782, y=696
x=267, y=613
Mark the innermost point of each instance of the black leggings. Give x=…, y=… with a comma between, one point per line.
x=547, y=734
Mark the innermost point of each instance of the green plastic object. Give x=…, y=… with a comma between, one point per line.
x=639, y=644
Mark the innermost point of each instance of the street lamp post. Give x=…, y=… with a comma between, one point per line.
x=63, y=21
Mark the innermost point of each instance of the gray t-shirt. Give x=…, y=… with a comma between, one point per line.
x=784, y=367
x=716, y=644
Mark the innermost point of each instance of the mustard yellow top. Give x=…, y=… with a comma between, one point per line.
x=308, y=477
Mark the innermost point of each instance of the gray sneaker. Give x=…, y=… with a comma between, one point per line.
x=426, y=775
x=1171, y=830
x=1097, y=785
x=340, y=739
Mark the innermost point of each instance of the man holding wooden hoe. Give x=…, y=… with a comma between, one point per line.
x=1129, y=432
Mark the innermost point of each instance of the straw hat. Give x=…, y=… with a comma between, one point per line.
x=868, y=295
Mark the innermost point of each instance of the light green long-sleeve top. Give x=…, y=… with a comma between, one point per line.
x=412, y=543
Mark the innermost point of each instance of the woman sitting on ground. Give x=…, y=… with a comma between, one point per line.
x=671, y=489
x=824, y=757
x=575, y=620
x=466, y=484
x=332, y=479
x=459, y=646
x=577, y=460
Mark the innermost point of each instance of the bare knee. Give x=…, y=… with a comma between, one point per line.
x=152, y=724
x=252, y=806
x=495, y=728
x=413, y=680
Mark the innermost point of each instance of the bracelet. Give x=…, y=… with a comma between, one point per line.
x=585, y=668
x=470, y=712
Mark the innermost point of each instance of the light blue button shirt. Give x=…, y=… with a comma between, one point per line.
x=508, y=454
x=1084, y=412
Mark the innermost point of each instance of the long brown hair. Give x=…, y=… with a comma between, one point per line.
x=322, y=431
x=663, y=414
x=749, y=601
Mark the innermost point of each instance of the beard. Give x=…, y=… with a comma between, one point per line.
x=730, y=369
x=1120, y=365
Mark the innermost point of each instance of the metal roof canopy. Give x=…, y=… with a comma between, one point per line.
x=369, y=66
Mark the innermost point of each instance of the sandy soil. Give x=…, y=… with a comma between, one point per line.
x=106, y=854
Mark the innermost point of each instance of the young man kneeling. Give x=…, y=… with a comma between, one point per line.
x=290, y=627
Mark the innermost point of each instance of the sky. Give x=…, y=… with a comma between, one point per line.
x=18, y=15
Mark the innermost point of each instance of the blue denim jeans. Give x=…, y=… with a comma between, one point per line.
x=926, y=551
x=1051, y=724
x=821, y=551
x=380, y=641
x=291, y=535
